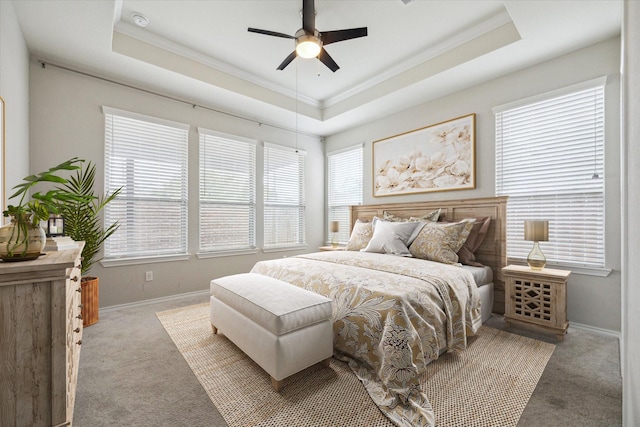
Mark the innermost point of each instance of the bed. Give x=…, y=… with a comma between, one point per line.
x=395, y=314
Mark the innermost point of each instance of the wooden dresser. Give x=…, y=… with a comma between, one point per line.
x=40, y=337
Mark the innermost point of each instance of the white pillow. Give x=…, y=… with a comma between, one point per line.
x=416, y=230
x=391, y=237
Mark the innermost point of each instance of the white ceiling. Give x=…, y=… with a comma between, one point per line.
x=201, y=51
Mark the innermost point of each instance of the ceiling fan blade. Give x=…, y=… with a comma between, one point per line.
x=341, y=35
x=327, y=60
x=287, y=60
x=308, y=16
x=270, y=33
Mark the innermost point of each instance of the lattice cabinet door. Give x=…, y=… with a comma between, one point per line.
x=537, y=297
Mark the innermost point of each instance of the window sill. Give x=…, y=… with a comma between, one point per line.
x=116, y=262
x=205, y=255
x=284, y=248
x=586, y=271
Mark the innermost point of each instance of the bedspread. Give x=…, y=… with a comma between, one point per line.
x=392, y=316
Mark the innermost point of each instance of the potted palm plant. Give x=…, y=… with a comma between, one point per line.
x=82, y=222
x=23, y=238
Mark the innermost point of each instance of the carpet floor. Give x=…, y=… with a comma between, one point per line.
x=488, y=384
x=132, y=374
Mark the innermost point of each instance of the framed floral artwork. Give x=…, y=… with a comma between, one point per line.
x=438, y=157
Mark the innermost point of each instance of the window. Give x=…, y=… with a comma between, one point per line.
x=550, y=161
x=284, y=196
x=147, y=157
x=344, y=168
x=227, y=192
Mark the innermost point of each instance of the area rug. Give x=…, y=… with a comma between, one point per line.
x=489, y=384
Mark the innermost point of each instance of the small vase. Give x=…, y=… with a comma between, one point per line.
x=16, y=245
x=536, y=258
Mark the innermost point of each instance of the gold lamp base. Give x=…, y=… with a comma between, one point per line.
x=536, y=258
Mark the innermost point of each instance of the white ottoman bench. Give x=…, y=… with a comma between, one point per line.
x=282, y=327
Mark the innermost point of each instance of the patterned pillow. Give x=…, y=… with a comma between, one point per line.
x=431, y=216
x=440, y=241
x=466, y=254
x=360, y=235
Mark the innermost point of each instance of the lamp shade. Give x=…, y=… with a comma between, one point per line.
x=335, y=226
x=536, y=231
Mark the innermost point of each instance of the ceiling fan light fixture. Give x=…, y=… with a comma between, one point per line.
x=308, y=46
x=310, y=41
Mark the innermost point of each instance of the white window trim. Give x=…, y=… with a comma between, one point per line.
x=205, y=131
x=117, y=262
x=203, y=254
x=218, y=254
x=328, y=212
x=589, y=84
x=281, y=247
x=148, y=259
x=344, y=150
x=144, y=117
x=285, y=147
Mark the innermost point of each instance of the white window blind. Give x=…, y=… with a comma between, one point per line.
x=284, y=196
x=227, y=192
x=550, y=162
x=344, y=170
x=147, y=157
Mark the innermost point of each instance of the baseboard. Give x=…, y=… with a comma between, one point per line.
x=595, y=330
x=588, y=328
x=583, y=327
x=154, y=300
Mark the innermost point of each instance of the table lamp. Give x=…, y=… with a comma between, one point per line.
x=536, y=231
x=335, y=227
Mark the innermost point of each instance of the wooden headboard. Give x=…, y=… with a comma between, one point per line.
x=492, y=252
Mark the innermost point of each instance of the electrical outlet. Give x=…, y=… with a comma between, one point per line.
x=148, y=276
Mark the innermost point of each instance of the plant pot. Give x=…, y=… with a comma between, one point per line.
x=21, y=241
x=90, y=301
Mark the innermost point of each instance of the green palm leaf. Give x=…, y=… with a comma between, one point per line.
x=82, y=214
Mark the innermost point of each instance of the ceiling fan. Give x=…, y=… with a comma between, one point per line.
x=310, y=41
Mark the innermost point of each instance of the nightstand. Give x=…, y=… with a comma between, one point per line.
x=331, y=248
x=537, y=297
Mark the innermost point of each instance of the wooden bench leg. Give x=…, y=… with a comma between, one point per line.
x=277, y=385
x=214, y=329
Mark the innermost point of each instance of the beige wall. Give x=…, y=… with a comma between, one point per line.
x=592, y=301
x=67, y=120
x=72, y=111
x=630, y=166
x=14, y=89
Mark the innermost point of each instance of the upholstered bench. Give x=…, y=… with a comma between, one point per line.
x=282, y=327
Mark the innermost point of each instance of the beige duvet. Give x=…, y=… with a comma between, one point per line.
x=392, y=316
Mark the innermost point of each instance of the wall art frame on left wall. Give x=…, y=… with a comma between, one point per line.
x=438, y=157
